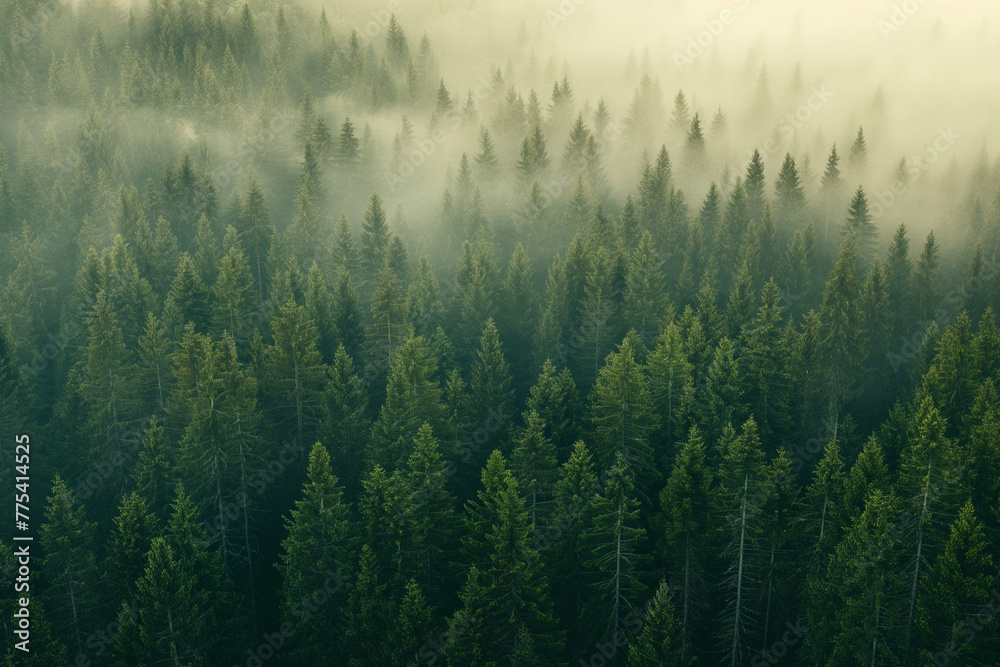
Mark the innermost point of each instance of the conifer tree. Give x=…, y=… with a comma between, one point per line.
x=621, y=411
x=413, y=397
x=256, y=234
x=72, y=592
x=294, y=373
x=492, y=396
x=155, y=470
x=314, y=557
x=534, y=465
x=670, y=377
x=742, y=477
x=618, y=561
x=512, y=590
x=685, y=512
x=926, y=278
x=858, y=156
x=960, y=582
x=134, y=529
x=662, y=640
x=790, y=197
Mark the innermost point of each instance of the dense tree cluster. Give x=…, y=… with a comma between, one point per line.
x=549, y=423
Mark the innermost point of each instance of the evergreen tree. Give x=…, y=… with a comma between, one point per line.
x=961, y=581
x=859, y=227
x=313, y=556
x=926, y=278
x=72, y=594
x=618, y=561
x=858, y=156
x=134, y=529
x=534, y=466
x=622, y=414
x=790, y=197
x=492, y=396
x=742, y=481
x=512, y=590
x=413, y=397
x=374, y=237
x=293, y=376
x=685, y=512
x=662, y=640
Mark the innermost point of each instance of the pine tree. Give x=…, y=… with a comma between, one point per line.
x=349, y=146
x=206, y=260
x=671, y=375
x=233, y=292
x=680, y=118
x=841, y=328
x=822, y=509
x=622, y=414
x=876, y=325
x=487, y=156
x=790, y=199
x=374, y=238
x=534, y=466
x=928, y=476
x=155, y=470
x=256, y=234
x=764, y=370
x=869, y=473
x=618, y=561
x=428, y=511
x=855, y=608
x=134, y=529
x=662, y=640
x=313, y=557
x=742, y=477
x=187, y=300
x=512, y=590
x=294, y=373
x=926, y=277
x=344, y=423
x=106, y=383
x=413, y=397
x=347, y=315
x=72, y=582
x=961, y=580
x=858, y=156
x=754, y=185
x=645, y=297
x=175, y=623
x=555, y=399
x=685, y=511
x=859, y=227
x=492, y=396
x=695, y=157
